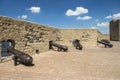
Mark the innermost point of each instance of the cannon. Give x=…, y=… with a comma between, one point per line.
x=105, y=42
x=76, y=44
x=60, y=47
x=20, y=57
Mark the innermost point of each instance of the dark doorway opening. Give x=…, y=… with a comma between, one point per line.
x=6, y=44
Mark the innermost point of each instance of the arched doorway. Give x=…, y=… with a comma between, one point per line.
x=4, y=45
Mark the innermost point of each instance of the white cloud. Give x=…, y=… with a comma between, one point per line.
x=93, y=27
x=22, y=17
x=78, y=11
x=103, y=24
x=84, y=18
x=34, y=9
x=114, y=16
x=69, y=12
x=108, y=17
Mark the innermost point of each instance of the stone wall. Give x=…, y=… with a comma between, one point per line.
x=30, y=37
x=27, y=36
x=115, y=30
x=104, y=36
x=87, y=37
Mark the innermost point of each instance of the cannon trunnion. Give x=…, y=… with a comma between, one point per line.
x=20, y=57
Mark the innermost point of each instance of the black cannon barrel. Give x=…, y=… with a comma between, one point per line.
x=60, y=47
x=105, y=43
x=76, y=44
x=65, y=48
x=24, y=58
x=105, y=40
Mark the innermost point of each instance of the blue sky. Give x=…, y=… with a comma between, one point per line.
x=64, y=13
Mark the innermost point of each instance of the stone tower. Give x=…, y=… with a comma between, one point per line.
x=115, y=30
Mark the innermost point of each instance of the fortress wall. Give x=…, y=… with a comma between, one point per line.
x=87, y=37
x=30, y=37
x=27, y=36
x=104, y=36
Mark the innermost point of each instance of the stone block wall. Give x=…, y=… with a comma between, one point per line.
x=104, y=36
x=115, y=30
x=87, y=37
x=27, y=36
x=30, y=37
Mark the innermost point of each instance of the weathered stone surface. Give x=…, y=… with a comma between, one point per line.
x=26, y=35
x=115, y=30
x=31, y=36
x=87, y=37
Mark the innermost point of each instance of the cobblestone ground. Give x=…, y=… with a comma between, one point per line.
x=89, y=64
